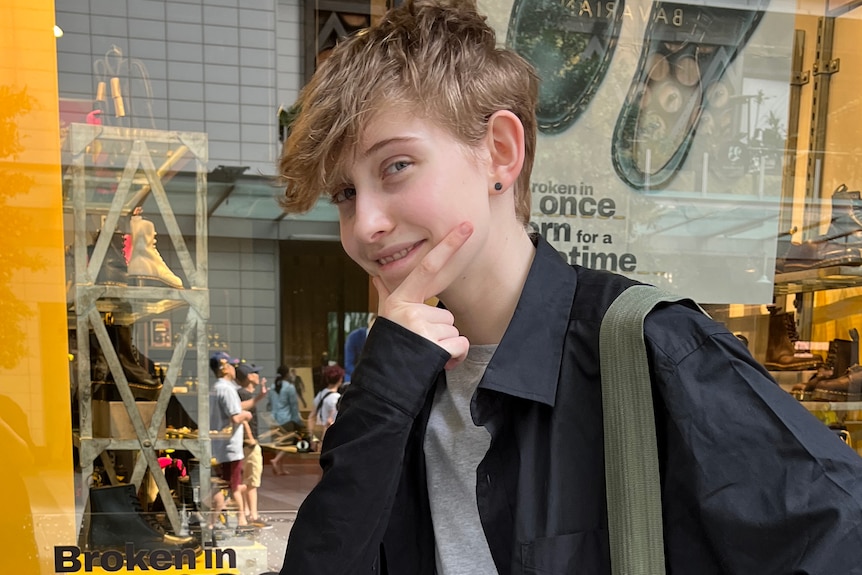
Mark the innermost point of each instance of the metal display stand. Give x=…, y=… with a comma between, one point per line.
x=133, y=179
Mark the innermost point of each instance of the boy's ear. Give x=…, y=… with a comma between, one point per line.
x=505, y=141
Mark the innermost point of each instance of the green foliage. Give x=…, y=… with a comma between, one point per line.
x=13, y=256
x=12, y=104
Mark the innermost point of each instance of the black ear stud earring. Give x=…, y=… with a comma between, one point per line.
x=498, y=186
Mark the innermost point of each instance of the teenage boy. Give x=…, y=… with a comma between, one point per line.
x=227, y=417
x=470, y=438
x=249, y=379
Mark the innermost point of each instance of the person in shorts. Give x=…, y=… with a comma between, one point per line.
x=226, y=419
x=252, y=390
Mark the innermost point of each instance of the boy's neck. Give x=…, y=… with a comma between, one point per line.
x=484, y=304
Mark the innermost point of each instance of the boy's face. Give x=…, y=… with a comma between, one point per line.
x=410, y=183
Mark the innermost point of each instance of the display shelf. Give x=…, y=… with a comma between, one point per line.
x=833, y=277
x=128, y=305
x=832, y=405
x=113, y=171
x=190, y=443
x=104, y=159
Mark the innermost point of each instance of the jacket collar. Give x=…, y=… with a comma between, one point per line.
x=527, y=361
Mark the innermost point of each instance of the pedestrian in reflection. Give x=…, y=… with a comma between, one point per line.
x=252, y=390
x=284, y=404
x=226, y=419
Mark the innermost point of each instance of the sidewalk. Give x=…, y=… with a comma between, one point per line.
x=279, y=497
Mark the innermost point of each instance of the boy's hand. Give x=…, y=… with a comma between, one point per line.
x=405, y=304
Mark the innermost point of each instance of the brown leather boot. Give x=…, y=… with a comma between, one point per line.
x=113, y=270
x=780, y=352
x=838, y=361
x=805, y=391
x=848, y=387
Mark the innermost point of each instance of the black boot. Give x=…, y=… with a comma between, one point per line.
x=142, y=383
x=841, y=245
x=846, y=213
x=117, y=518
x=842, y=242
x=839, y=358
x=114, y=270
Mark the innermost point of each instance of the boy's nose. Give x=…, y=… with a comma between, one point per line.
x=372, y=217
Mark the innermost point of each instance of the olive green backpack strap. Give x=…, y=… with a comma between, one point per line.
x=632, y=476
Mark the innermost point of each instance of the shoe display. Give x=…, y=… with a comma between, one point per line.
x=847, y=387
x=140, y=378
x=142, y=383
x=838, y=360
x=117, y=518
x=570, y=48
x=846, y=217
x=146, y=262
x=841, y=245
x=817, y=253
x=113, y=270
x=805, y=391
x=679, y=74
x=780, y=351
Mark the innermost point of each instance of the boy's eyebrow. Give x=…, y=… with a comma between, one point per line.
x=383, y=143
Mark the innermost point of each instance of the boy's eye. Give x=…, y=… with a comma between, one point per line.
x=396, y=167
x=342, y=195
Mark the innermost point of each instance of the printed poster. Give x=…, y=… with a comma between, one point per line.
x=662, y=130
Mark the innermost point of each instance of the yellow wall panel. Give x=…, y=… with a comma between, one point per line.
x=35, y=418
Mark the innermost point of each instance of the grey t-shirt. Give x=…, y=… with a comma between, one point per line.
x=224, y=403
x=454, y=447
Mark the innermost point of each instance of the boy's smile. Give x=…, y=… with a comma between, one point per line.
x=410, y=183
x=398, y=255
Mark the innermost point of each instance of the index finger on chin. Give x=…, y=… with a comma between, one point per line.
x=424, y=281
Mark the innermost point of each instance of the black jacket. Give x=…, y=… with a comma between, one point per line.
x=752, y=484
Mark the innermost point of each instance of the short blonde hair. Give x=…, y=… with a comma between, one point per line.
x=437, y=57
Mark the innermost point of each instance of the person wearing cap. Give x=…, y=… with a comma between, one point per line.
x=248, y=377
x=226, y=419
